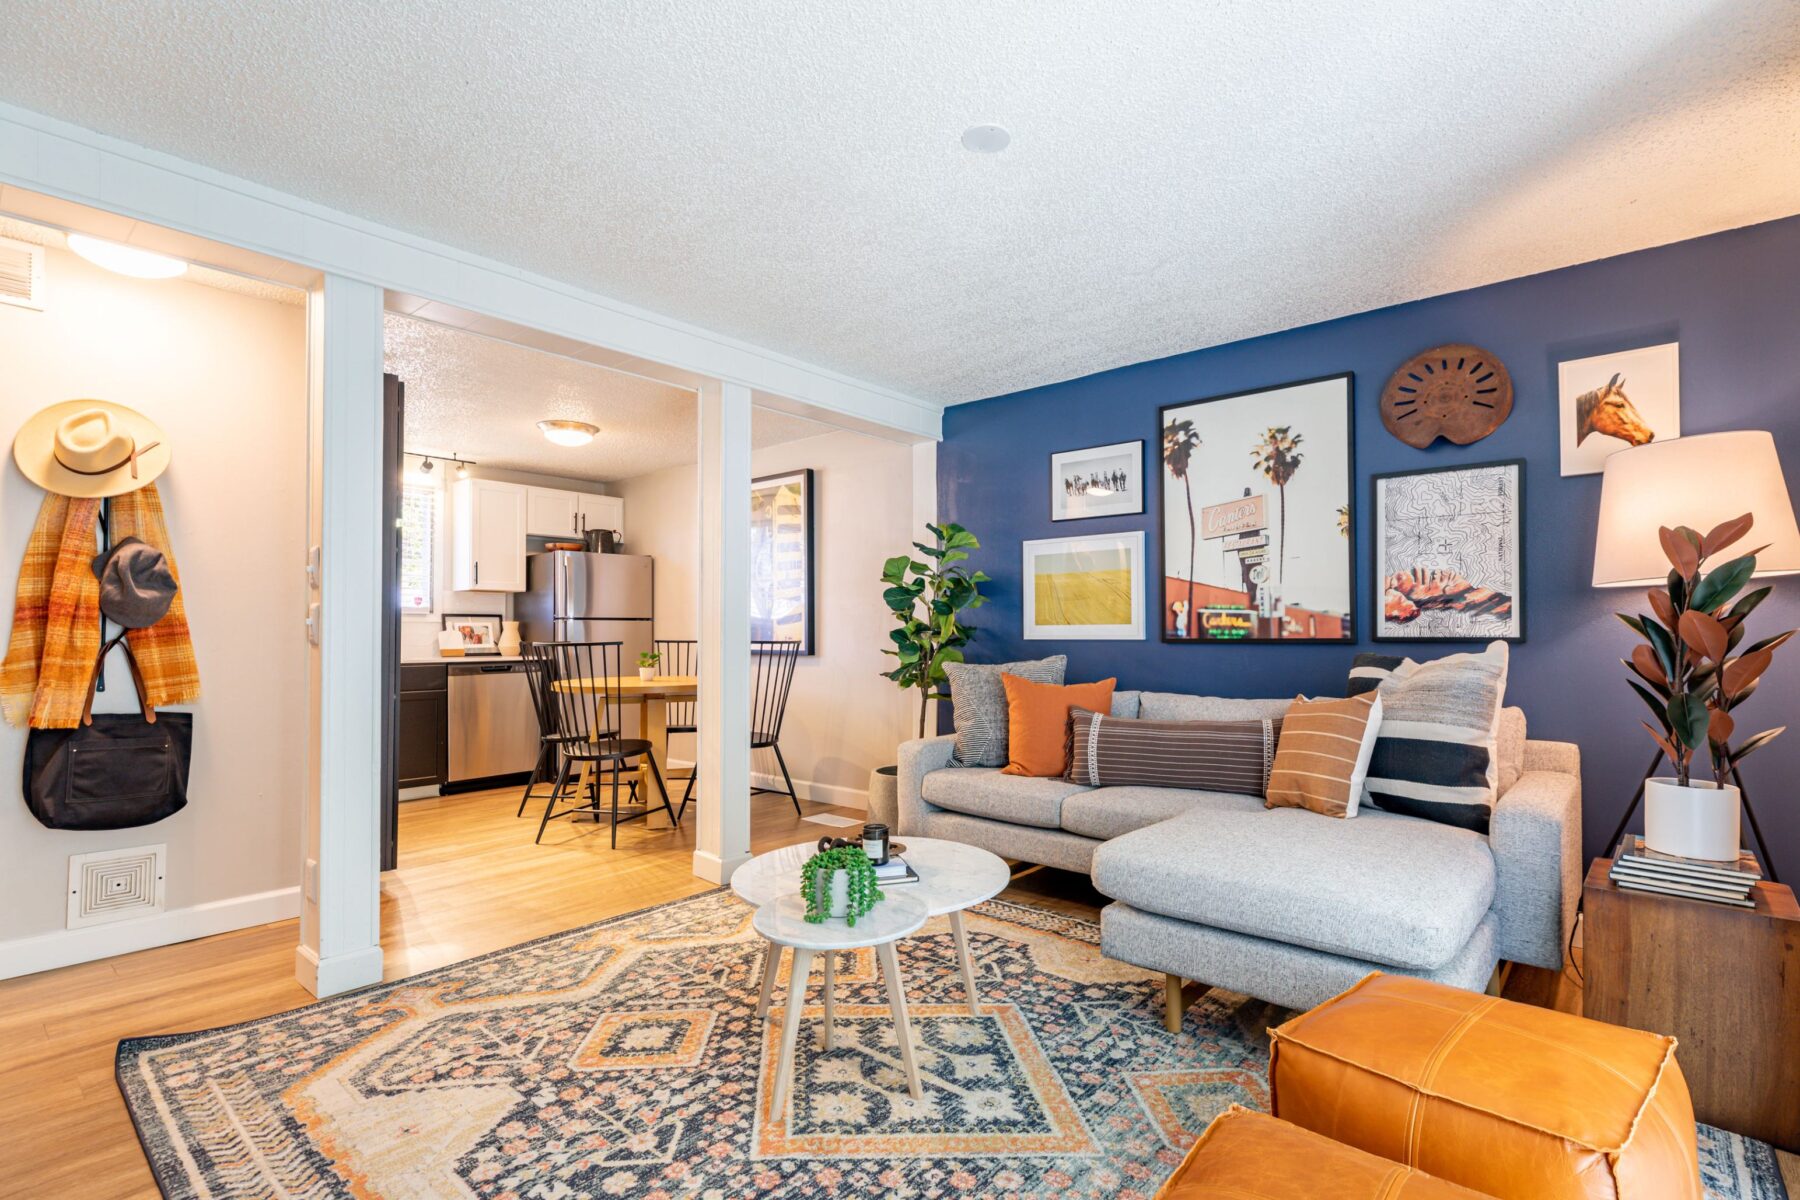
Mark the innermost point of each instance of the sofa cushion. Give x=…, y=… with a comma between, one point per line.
x=978, y=705
x=1037, y=722
x=1226, y=756
x=1110, y=811
x=1324, y=754
x=1382, y=888
x=985, y=792
x=1125, y=704
x=1178, y=706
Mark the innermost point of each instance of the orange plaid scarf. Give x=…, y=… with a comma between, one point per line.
x=56, y=616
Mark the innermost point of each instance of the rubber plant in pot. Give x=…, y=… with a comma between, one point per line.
x=1692, y=671
x=927, y=595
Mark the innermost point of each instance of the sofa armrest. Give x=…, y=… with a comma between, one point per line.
x=1536, y=839
x=1553, y=756
x=919, y=758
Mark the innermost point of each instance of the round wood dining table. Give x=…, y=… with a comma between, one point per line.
x=652, y=697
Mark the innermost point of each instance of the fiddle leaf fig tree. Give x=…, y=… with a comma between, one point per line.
x=927, y=598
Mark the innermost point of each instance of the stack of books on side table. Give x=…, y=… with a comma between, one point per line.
x=895, y=872
x=1638, y=868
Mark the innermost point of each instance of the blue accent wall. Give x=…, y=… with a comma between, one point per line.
x=1731, y=299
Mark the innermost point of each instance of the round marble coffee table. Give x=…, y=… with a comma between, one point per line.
x=952, y=877
x=783, y=922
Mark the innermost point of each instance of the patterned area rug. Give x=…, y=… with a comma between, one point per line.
x=625, y=1059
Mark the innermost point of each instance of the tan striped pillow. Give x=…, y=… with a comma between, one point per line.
x=1211, y=756
x=1323, y=756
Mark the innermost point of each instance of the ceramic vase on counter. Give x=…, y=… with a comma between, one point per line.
x=509, y=637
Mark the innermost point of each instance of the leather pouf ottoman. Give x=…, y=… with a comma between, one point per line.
x=1245, y=1155
x=1520, y=1102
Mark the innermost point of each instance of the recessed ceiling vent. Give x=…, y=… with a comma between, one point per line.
x=21, y=274
x=115, y=885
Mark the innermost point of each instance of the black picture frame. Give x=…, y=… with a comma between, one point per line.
x=803, y=479
x=1132, y=447
x=1379, y=575
x=1347, y=634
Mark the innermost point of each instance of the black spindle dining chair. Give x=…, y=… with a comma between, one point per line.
x=680, y=657
x=771, y=678
x=581, y=689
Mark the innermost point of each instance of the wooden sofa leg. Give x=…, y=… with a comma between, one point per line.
x=1497, y=985
x=1174, y=1003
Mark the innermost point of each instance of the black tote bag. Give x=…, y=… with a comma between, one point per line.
x=114, y=770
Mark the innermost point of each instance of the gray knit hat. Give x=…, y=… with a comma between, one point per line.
x=136, y=585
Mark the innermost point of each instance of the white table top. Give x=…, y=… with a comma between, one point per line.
x=783, y=921
x=952, y=876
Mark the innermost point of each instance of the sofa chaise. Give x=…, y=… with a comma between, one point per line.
x=1283, y=904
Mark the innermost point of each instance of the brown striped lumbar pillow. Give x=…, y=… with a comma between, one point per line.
x=1211, y=756
x=1323, y=756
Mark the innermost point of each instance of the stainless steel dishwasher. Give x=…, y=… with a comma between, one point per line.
x=493, y=727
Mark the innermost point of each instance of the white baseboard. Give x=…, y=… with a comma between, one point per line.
x=714, y=869
x=27, y=956
x=337, y=973
x=820, y=793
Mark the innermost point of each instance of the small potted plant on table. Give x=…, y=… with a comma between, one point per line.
x=647, y=662
x=839, y=881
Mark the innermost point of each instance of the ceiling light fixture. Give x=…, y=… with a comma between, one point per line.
x=126, y=260
x=986, y=139
x=569, y=433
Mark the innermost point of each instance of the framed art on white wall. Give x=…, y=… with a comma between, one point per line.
x=1099, y=481
x=1085, y=587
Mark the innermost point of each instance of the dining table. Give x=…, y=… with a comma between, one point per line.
x=652, y=697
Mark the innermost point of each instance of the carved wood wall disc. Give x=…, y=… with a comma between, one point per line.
x=1460, y=392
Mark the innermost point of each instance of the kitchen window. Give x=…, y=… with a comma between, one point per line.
x=418, y=545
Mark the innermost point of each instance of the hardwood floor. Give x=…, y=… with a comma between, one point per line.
x=470, y=881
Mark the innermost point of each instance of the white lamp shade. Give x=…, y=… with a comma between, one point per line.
x=1698, y=482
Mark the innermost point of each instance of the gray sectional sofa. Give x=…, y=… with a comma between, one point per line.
x=1283, y=904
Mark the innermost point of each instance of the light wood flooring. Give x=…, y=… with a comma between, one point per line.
x=470, y=881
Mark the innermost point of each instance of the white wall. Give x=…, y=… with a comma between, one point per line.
x=226, y=377
x=843, y=719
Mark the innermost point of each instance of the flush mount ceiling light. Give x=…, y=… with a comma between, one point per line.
x=569, y=433
x=986, y=139
x=126, y=260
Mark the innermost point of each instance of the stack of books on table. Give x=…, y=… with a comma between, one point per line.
x=1638, y=868
x=895, y=872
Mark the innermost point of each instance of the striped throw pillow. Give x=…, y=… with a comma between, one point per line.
x=1436, y=756
x=1210, y=756
x=1323, y=755
x=978, y=705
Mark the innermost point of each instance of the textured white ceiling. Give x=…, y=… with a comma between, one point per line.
x=1180, y=174
x=481, y=399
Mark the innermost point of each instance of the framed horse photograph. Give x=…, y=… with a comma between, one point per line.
x=1611, y=402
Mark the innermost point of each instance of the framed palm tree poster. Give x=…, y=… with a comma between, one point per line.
x=1255, y=515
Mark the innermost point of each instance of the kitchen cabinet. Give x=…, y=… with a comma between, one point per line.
x=487, y=536
x=600, y=512
x=422, y=750
x=552, y=512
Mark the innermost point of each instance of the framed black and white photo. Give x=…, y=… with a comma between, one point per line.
x=1100, y=481
x=781, y=558
x=1449, y=553
x=1255, y=516
x=1088, y=588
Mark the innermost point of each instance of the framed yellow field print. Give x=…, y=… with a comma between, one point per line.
x=1085, y=587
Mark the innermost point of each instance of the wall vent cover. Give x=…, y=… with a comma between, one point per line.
x=115, y=885
x=21, y=274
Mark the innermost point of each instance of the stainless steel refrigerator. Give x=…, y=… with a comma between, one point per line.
x=572, y=596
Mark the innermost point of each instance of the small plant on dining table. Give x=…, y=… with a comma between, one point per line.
x=649, y=658
x=861, y=892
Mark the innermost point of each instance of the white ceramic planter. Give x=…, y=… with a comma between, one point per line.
x=646, y=673
x=834, y=896
x=1699, y=821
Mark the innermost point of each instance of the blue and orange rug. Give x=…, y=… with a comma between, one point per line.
x=625, y=1059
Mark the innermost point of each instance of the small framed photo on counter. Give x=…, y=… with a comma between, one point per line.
x=477, y=629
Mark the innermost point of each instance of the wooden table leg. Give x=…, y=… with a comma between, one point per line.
x=830, y=981
x=790, y=1025
x=896, y=990
x=654, y=728
x=961, y=933
x=771, y=968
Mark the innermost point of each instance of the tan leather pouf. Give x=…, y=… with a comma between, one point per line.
x=1246, y=1155
x=1523, y=1103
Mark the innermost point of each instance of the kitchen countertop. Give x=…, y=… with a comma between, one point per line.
x=420, y=660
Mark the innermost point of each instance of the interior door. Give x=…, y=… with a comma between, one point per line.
x=393, y=441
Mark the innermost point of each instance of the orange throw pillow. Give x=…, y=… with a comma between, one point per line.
x=1037, y=721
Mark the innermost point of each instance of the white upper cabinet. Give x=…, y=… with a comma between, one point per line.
x=550, y=513
x=600, y=512
x=487, y=532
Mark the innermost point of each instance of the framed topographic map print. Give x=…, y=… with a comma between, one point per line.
x=1449, y=557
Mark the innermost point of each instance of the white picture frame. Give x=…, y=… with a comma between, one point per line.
x=1097, y=481
x=1598, y=417
x=1086, y=581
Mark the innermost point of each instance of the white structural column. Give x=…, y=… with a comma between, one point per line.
x=723, y=841
x=340, y=923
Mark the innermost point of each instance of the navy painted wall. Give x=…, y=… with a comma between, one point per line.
x=1731, y=299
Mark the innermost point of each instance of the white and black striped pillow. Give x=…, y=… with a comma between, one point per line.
x=978, y=705
x=1436, y=756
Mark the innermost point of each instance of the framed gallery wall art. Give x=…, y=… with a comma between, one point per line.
x=781, y=558
x=1085, y=587
x=1449, y=553
x=1611, y=402
x=1100, y=481
x=1255, y=516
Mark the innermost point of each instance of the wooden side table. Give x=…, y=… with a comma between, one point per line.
x=1725, y=981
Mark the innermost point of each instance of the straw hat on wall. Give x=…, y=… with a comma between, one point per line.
x=90, y=449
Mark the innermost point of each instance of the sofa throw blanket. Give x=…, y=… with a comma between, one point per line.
x=1436, y=755
x=978, y=705
x=1208, y=756
x=56, y=616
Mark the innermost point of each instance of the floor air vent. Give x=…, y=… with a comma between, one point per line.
x=115, y=885
x=21, y=274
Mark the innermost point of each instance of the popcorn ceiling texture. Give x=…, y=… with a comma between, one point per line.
x=1180, y=175
x=482, y=399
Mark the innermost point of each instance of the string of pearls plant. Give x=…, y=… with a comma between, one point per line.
x=859, y=873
